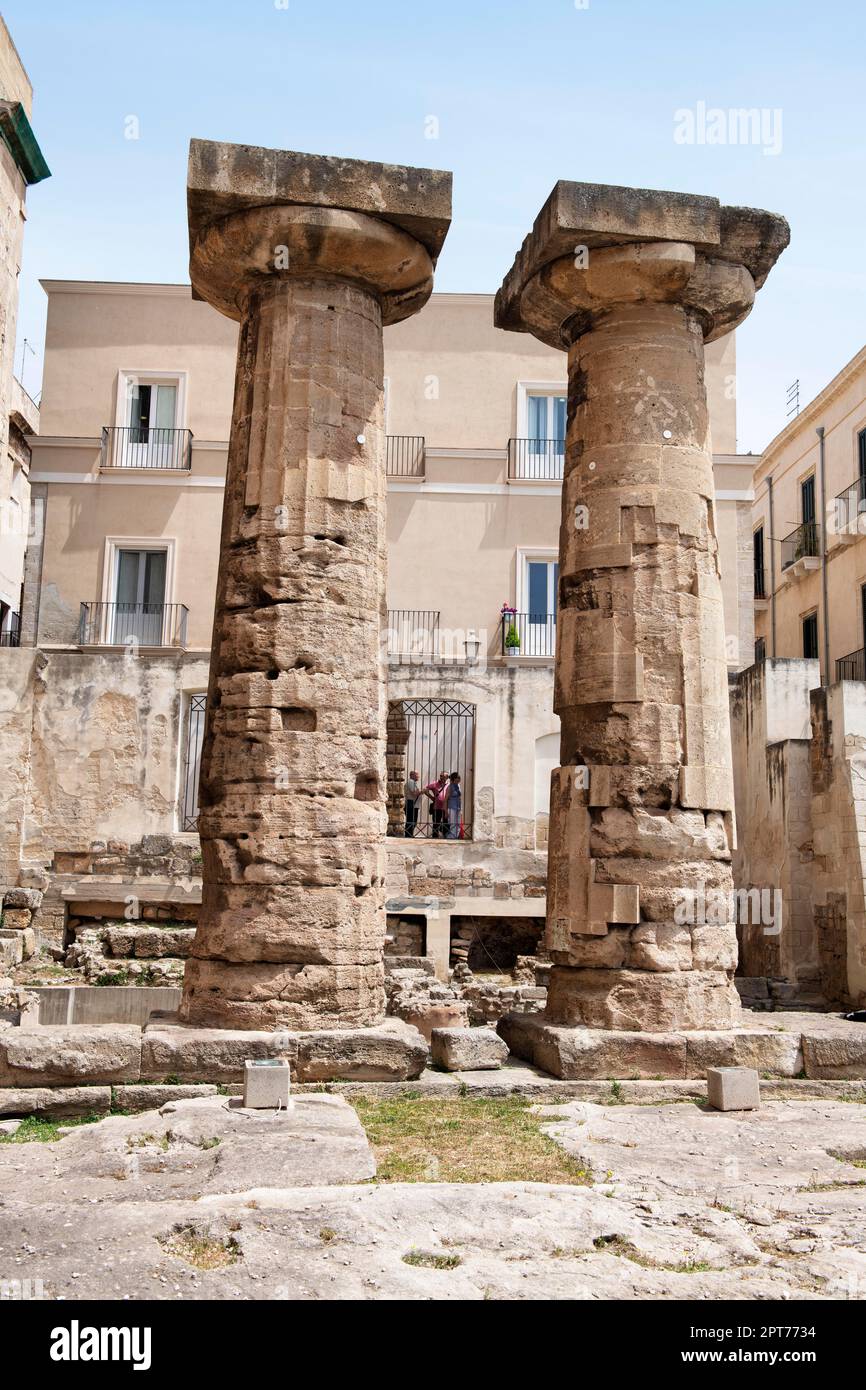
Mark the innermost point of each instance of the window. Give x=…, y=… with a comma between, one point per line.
x=149, y=433
x=861, y=455
x=191, y=761
x=807, y=499
x=758, y=555
x=535, y=619
x=810, y=636
x=760, y=650
x=539, y=449
x=139, y=596
x=431, y=737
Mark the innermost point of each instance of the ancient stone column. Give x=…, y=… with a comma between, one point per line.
x=312, y=256
x=632, y=283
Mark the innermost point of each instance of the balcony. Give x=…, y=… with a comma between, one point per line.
x=535, y=460
x=852, y=667
x=12, y=636
x=139, y=446
x=528, y=634
x=125, y=624
x=404, y=456
x=801, y=549
x=760, y=595
x=850, y=506
x=413, y=634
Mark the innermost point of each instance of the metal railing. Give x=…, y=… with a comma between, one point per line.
x=528, y=634
x=536, y=459
x=852, y=667
x=760, y=584
x=413, y=634
x=850, y=504
x=404, y=455
x=139, y=446
x=11, y=637
x=804, y=541
x=120, y=624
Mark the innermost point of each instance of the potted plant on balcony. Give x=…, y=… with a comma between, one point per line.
x=512, y=636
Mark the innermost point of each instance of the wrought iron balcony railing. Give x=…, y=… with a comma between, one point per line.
x=528, y=634
x=413, y=634
x=404, y=456
x=11, y=637
x=535, y=459
x=804, y=541
x=122, y=624
x=852, y=667
x=139, y=446
x=850, y=504
x=760, y=584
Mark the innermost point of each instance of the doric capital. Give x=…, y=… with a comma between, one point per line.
x=257, y=213
x=593, y=247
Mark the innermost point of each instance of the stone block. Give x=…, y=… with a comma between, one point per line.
x=266, y=1084
x=468, y=1049
x=137, y=1098
x=577, y=1054
x=835, y=1057
x=427, y=1016
x=207, y=1054
x=391, y=1051
x=733, y=1088
x=9, y=1127
x=11, y=949
x=29, y=943
x=57, y=1056
x=766, y=1050
x=30, y=898
x=59, y=1100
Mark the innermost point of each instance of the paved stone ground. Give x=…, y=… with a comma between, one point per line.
x=685, y=1203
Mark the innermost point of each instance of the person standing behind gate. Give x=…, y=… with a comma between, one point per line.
x=453, y=803
x=436, y=792
x=412, y=793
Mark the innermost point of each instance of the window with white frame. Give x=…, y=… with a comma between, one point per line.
x=150, y=420
x=537, y=585
x=541, y=425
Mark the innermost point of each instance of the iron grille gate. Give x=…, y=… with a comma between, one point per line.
x=430, y=737
x=192, y=762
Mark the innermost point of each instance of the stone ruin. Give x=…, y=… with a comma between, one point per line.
x=313, y=256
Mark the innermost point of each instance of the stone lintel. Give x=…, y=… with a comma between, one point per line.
x=225, y=178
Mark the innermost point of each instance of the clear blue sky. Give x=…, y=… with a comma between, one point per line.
x=525, y=92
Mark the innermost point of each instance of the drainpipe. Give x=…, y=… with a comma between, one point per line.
x=820, y=433
x=772, y=549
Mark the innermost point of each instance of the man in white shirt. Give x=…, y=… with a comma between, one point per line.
x=412, y=792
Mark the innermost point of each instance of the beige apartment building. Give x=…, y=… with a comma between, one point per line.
x=798, y=715
x=21, y=164
x=809, y=532
x=127, y=480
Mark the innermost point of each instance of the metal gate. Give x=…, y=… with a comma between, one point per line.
x=192, y=762
x=434, y=736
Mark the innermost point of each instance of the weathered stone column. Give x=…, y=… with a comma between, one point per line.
x=632, y=283
x=312, y=255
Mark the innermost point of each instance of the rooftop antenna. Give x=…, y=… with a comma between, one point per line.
x=792, y=399
x=25, y=348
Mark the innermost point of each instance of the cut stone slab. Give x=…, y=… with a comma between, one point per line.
x=9, y=1127
x=591, y=1053
x=58, y=1056
x=428, y=1017
x=393, y=1051
x=468, y=1049
x=733, y=1088
x=11, y=948
x=60, y=1100
x=135, y=1099
x=831, y=1057
x=266, y=1084
x=195, y=1147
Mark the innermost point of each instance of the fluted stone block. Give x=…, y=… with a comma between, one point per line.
x=312, y=256
x=632, y=283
